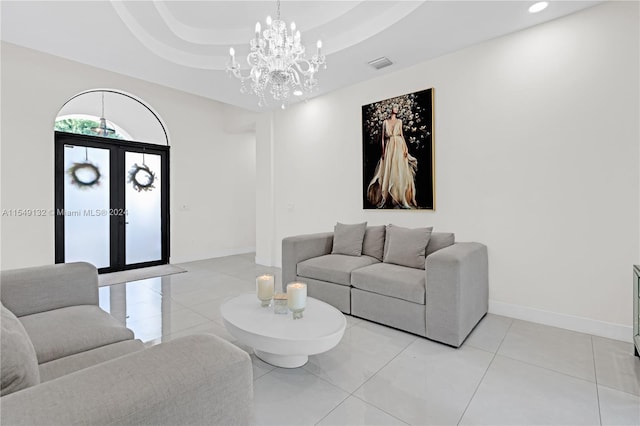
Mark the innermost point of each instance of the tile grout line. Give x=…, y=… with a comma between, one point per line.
x=484, y=375
x=353, y=393
x=620, y=391
x=540, y=366
x=321, y=378
x=548, y=369
x=400, y=420
x=595, y=375
x=378, y=371
x=330, y=411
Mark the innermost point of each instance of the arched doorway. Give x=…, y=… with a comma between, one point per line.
x=111, y=182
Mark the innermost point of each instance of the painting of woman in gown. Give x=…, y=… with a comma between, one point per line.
x=394, y=180
x=398, y=152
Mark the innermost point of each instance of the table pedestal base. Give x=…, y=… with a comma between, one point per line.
x=284, y=361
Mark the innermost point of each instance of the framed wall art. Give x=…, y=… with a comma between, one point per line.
x=398, y=153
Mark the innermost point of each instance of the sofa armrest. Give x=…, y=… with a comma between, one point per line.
x=457, y=291
x=197, y=379
x=302, y=247
x=44, y=288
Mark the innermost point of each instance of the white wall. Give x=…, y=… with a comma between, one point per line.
x=537, y=147
x=212, y=201
x=265, y=192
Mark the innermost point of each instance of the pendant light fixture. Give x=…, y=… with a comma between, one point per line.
x=278, y=64
x=102, y=129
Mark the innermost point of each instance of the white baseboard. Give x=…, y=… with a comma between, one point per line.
x=264, y=261
x=215, y=254
x=569, y=322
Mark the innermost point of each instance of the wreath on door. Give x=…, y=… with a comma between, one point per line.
x=84, y=175
x=142, y=177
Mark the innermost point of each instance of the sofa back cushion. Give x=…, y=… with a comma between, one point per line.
x=406, y=246
x=347, y=239
x=27, y=291
x=373, y=244
x=19, y=368
x=440, y=240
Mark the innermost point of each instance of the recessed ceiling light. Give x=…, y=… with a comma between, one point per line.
x=297, y=92
x=538, y=7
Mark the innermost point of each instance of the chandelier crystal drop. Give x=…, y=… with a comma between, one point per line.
x=277, y=62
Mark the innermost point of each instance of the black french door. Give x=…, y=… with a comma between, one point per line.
x=111, y=202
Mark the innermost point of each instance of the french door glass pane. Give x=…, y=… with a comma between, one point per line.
x=142, y=204
x=86, y=205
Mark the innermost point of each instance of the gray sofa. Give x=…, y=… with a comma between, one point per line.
x=67, y=362
x=442, y=301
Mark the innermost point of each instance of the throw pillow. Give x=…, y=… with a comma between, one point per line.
x=19, y=369
x=440, y=240
x=347, y=239
x=373, y=244
x=405, y=246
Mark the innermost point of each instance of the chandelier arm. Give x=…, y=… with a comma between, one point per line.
x=262, y=58
x=296, y=78
x=310, y=68
x=237, y=73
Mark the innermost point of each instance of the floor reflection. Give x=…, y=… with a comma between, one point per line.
x=140, y=307
x=162, y=308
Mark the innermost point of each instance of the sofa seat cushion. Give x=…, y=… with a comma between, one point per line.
x=63, y=366
x=334, y=268
x=392, y=280
x=67, y=331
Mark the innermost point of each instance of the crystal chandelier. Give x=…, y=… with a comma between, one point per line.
x=278, y=63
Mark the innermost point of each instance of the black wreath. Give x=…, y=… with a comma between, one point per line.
x=78, y=180
x=147, y=184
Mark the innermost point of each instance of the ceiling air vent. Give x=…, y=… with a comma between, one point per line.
x=380, y=63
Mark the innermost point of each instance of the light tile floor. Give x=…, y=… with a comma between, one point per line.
x=508, y=372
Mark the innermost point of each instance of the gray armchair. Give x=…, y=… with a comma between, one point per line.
x=99, y=375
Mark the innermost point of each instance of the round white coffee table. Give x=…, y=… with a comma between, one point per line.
x=279, y=339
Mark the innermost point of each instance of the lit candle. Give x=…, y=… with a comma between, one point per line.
x=265, y=287
x=258, y=28
x=293, y=27
x=269, y=21
x=297, y=296
x=319, y=45
x=232, y=53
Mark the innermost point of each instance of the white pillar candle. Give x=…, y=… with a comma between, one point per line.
x=297, y=296
x=265, y=286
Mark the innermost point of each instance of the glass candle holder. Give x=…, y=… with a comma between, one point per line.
x=265, y=289
x=280, y=303
x=297, y=313
x=297, y=298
